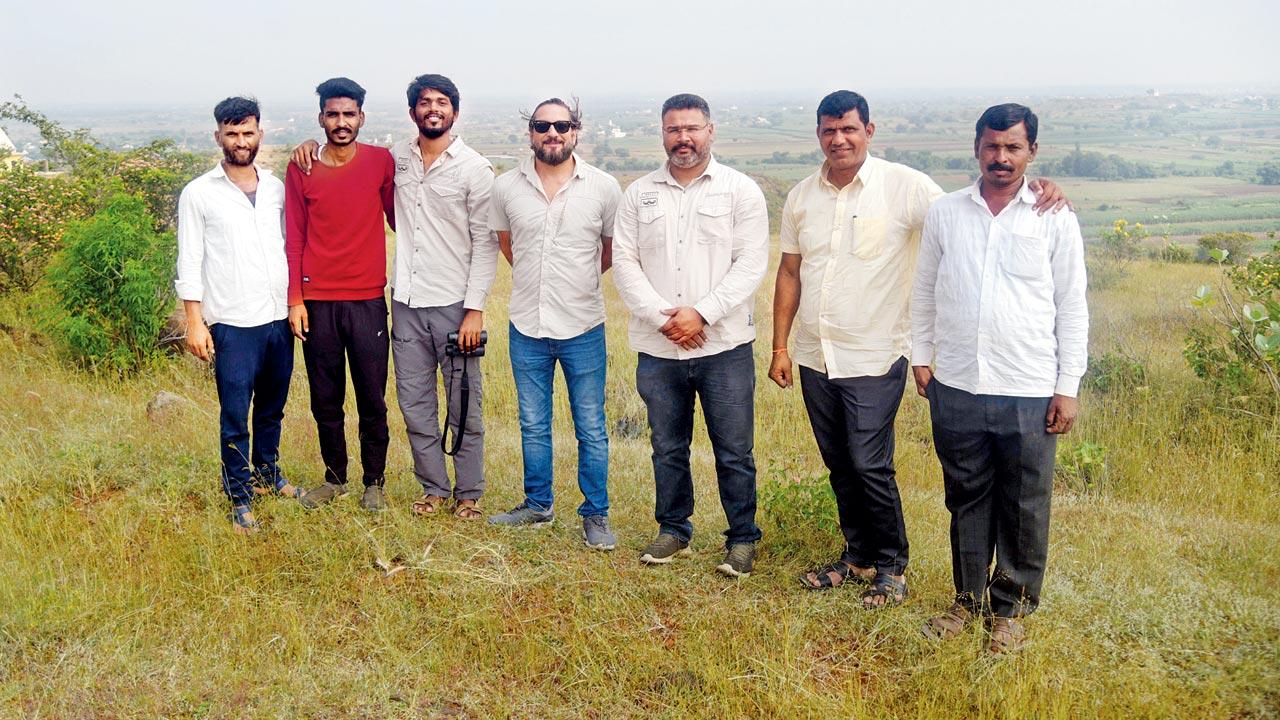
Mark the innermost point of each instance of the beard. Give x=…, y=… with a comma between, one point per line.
x=694, y=158
x=431, y=133
x=232, y=159
x=552, y=156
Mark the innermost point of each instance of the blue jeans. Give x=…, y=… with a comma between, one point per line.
x=251, y=365
x=726, y=384
x=583, y=361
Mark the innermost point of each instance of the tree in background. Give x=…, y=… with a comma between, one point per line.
x=34, y=211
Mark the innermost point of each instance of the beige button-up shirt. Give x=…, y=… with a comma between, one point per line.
x=555, y=247
x=858, y=246
x=705, y=246
x=444, y=249
x=999, y=302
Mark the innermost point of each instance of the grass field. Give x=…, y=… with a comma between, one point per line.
x=125, y=595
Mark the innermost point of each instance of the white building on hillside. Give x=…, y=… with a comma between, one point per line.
x=9, y=154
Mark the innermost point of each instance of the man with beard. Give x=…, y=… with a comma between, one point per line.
x=999, y=309
x=554, y=218
x=337, y=250
x=233, y=280
x=849, y=237
x=445, y=261
x=691, y=246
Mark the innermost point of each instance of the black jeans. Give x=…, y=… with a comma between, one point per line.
x=251, y=365
x=725, y=382
x=997, y=469
x=852, y=421
x=354, y=331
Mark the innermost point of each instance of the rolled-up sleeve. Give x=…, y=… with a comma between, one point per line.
x=1071, y=326
x=189, y=284
x=750, y=258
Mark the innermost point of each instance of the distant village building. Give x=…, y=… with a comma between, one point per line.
x=9, y=154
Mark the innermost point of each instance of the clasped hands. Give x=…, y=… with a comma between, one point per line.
x=684, y=327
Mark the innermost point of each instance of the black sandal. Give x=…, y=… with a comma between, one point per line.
x=845, y=571
x=885, y=586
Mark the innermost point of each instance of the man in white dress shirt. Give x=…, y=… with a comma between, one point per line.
x=554, y=219
x=691, y=245
x=233, y=281
x=998, y=309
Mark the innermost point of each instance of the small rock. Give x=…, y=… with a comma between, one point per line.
x=164, y=405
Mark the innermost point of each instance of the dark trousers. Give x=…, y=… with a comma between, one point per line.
x=725, y=382
x=251, y=365
x=352, y=331
x=852, y=420
x=997, y=467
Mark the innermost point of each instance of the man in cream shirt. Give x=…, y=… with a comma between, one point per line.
x=691, y=245
x=554, y=218
x=849, y=237
x=999, y=309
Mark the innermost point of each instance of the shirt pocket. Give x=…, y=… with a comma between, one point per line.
x=652, y=228
x=1026, y=257
x=867, y=238
x=715, y=226
x=445, y=198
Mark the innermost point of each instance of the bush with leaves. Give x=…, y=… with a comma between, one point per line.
x=110, y=287
x=1238, y=247
x=1238, y=351
x=1108, y=259
x=34, y=211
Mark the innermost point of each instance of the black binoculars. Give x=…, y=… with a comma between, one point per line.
x=451, y=348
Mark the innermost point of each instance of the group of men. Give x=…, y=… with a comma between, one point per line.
x=980, y=292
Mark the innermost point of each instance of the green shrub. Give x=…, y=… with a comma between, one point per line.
x=1107, y=261
x=1082, y=467
x=1114, y=371
x=110, y=287
x=34, y=211
x=1238, y=246
x=1173, y=253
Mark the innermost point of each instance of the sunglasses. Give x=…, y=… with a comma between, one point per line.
x=561, y=126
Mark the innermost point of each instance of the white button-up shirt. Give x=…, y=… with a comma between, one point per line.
x=445, y=252
x=555, y=247
x=999, y=302
x=858, y=248
x=231, y=251
x=705, y=246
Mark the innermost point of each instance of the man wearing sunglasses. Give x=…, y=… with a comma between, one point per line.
x=554, y=219
x=691, y=244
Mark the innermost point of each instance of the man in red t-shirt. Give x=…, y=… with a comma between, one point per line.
x=337, y=251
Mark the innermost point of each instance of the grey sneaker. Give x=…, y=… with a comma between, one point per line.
x=374, y=499
x=737, y=560
x=664, y=549
x=597, y=534
x=523, y=516
x=312, y=499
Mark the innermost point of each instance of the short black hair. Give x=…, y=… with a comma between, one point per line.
x=235, y=110
x=687, y=101
x=840, y=102
x=439, y=83
x=575, y=111
x=1003, y=117
x=340, y=87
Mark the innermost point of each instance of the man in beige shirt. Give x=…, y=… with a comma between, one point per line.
x=691, y=245
x=849, y=237
x=554, y=218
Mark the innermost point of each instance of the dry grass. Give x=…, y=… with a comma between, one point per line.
x=125, y=595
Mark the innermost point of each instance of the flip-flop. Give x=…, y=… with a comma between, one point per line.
x=884, y=585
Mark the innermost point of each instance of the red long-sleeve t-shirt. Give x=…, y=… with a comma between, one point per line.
x=334, y=237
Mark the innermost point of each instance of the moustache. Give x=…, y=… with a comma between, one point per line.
x=687, y=146
x=999, y=166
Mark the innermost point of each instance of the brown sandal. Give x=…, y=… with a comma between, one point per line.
x=428, y=505
x=1007, y=636
x=949, y=624
x=467, y=510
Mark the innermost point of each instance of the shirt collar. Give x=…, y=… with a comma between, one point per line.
x=867, y=174
x=455, y=147
x=664, y=172
x=1025, y=193
x=219, y=171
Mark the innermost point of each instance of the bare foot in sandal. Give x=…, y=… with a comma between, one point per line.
x=836, y=574
x=467, y=510
x=428, y=505
x=886, y=590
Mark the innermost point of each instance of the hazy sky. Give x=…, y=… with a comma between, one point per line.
x=59, y=52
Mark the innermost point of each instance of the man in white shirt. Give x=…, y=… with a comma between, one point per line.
x=998, y=308
x=233, y=280
x=691, y=245
x=554, y=219
x=849, y=237
x=445, y=261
